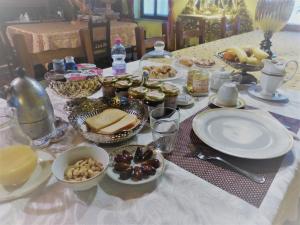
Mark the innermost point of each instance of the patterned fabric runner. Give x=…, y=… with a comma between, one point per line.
x=187, y=144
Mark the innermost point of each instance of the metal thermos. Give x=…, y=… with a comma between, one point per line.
x=34, y=109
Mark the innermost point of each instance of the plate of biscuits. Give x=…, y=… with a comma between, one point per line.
x=110, y=121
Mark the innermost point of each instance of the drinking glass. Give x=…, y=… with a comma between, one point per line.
x=164, y=128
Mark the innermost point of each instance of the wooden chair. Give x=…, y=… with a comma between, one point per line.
x=143, y=44
x=182, y=35
x=96, y=48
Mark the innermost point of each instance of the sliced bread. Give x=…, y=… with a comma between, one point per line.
x=104, y=119
x=127, y=121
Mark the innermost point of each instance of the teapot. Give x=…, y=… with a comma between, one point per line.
x=34, y=110
x=274, y=74
x=219, y=77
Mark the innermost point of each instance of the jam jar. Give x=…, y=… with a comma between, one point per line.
x=152, y=84
x=155, y=99
x=108, y=86
x=171, y=93
x=136, y=81
x=198, y=82
x=122, y=86
x=137, y=92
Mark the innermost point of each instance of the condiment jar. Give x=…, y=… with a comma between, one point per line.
x=197, y=82
x=137, y=92
x=121, y=87
x=136, y=81
x=219, y=77
x=108, y=86
x=152, y=84
x=171, y=93
x=155, y=99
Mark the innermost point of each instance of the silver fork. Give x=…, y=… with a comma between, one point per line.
x=251, y=176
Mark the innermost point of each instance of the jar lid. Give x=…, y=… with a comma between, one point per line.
x=123, y=83
x=170, y=89
x=124, y=76
x=155, y=95
x=136, y=80
x=109, y=80
x=152, y=84
x=138, y=90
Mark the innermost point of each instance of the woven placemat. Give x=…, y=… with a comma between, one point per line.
x=187, y=144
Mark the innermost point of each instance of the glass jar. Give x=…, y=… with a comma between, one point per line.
x=70, y=63
x=155, y=99
x=137, y=92
x=171, y=92
x=136, y=81
x=58, y=65
x=152, y=84
x=122, y=87
x=108, y=86
x=17, y=159
x=198, y=82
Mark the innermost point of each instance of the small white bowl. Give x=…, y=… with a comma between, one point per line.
x=71, y=156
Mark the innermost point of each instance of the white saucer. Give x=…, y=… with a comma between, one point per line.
x=40, y=175
x=240, y=102
x=255, y=91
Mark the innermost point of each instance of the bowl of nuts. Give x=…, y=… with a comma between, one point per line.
x=81, y=168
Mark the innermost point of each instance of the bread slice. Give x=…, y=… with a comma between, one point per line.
x=104, y=119
x=127, y=121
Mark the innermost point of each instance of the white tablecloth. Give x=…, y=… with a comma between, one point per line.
x=178, y=197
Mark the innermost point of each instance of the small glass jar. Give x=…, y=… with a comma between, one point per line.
x=155, y=99
x=122, y=87
x=124, y=76
x=152, y=84
x=171, y=92
x=58, y=65
x=108, y=86
x=136, y=81
x=198, y=82
x=137, y=92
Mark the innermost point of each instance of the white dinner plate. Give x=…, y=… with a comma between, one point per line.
x=242, y=133
x=40, y=175
x=131, y=148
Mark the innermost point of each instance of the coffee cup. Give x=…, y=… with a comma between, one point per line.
x=269, y=84
x=228, y=94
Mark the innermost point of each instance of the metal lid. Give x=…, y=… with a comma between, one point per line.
x=170, y=89
x=30, y=99
x=155, y=95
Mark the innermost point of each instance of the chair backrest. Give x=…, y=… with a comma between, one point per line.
x=96, y=39
x=182, y=35
x=201, y=31
x=143, y=43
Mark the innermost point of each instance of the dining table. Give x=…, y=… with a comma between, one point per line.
x=179, y=196
x=39, y=39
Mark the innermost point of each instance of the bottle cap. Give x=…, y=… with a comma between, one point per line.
x=118, y=40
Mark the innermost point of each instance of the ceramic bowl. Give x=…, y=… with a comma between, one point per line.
x=73, y=155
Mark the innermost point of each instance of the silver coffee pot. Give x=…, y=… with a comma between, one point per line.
x=34, y=110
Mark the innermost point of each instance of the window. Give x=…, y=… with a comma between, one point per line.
x=155, y=9
x=295, y=17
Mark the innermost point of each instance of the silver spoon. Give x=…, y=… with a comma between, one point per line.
x=251, y=176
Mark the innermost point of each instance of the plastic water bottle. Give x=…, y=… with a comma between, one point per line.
x=118, y=54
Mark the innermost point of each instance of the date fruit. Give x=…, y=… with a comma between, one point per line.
x=122, y=159
x=137, y=173
x=121, y=166
x=147, y=155
x=127, y=155
x=126, y=174
x=148, y=170
x=138, y=156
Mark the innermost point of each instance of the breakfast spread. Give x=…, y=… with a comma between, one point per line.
x=83, y=169
x=139, y=166
x=111, y=121
x=247, y=55
x=160, y=72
